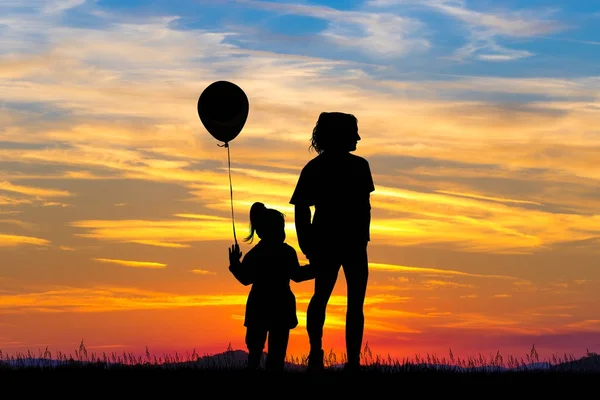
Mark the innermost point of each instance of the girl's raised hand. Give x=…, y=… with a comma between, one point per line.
x=234, y=254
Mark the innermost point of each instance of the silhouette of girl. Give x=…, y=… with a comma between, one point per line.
x=271, y=304
x=338, y=184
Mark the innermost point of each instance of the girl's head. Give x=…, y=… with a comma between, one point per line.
x=335, y=131
x=269, y=224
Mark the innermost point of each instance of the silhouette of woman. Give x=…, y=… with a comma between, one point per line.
x=271, y=304
x=338, y=184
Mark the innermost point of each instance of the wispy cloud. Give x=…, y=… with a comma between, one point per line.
x=477, y=196
x=33, y=191
x=341, y=300
x=432, y=271
x=591, y=42
x=587, y=324
x=16, y=240
x=440, y=284
x=478, y=321
x=379, y=34
x=102, y=299
x=174, y=233
x=203, y=272
x=486, y=27
x=22, y=224
x=57, y=6
x=476, y=222
x=134, y=264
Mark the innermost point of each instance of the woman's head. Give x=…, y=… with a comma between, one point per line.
x=335, y=131
x=269, y=224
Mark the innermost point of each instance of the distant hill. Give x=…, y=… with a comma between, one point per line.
x=588, y=363
x=229, y=359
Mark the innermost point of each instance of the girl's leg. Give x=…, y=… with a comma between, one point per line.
x=278, y=342
x=255, y=342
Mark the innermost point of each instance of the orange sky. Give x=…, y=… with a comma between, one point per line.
x=114, y=200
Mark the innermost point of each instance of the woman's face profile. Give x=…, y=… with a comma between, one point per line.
x=352, y=138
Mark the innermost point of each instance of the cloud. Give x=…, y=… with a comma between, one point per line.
x=134, y=264
x=580, y=88
x=485, y=27
x=477, y=321
x=508, y=23
x=58, y=6
x=552, y=315
x=103, y=299
x=504, y=55
x=5, y=200
x=16, y=240
x=433, y=284
x=27, y=195
x=19, y=223
x=379, y=34
x=591, y=42
x=376, y=312
x=477, y=222
x=174, y=233
x=32, y=191
x=203, y=272
x=499, y=199
x=587, y=324
x=341, y=300
x=432, y=271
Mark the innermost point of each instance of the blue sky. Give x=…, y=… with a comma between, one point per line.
x=553, y=38
x=507, y=38
x=408, y=40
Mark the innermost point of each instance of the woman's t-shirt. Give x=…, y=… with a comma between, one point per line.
x=339, y=187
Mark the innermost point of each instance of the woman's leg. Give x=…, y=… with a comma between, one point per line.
x=356, y=271
x=327, y=269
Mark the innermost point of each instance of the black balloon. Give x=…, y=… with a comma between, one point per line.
x=223, y=109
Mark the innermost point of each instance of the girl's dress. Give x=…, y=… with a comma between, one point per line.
x=269, y=267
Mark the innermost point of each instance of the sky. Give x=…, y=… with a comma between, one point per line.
x=480, y=121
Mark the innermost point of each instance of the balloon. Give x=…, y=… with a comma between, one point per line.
x=223, y=109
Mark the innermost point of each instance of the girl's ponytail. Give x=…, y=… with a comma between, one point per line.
x=257, y=212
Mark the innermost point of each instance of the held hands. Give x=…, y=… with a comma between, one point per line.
x=234, y=254
x=307, y=248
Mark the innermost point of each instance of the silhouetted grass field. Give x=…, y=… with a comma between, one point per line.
x=225, y=372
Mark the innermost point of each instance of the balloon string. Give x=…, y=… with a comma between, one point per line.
x=230, y=188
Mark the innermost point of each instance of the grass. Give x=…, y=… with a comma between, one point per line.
x=428, y=372
x=228, y=361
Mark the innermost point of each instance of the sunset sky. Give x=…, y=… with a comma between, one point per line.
x=480, y=120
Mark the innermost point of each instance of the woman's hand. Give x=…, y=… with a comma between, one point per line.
x=234, y=254
x=307, y=247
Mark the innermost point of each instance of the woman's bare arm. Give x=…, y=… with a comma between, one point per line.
x=300, y=273
x=302, y=216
